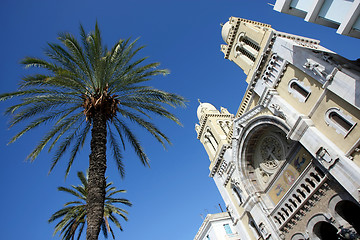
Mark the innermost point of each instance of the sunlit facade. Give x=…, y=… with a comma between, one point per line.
x=287, y=164
x=343, y=15
x=217, y=227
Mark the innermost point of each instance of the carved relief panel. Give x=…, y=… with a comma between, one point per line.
x=269, y=156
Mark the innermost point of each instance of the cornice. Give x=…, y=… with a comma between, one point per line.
x=203, y=121
x=303, y=41
x=219, y=159
x=233, y=31
x=210, y=218
x=230, y=170
x=202, y=227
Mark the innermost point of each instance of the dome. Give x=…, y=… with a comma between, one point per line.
x=205, y=107
x=225, y=30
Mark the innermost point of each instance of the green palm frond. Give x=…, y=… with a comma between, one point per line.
x=120, y=126
x=80, y=74
x=116, y=151
x=72, y=217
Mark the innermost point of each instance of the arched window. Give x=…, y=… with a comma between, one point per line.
x=224, y=125
x=210, y=137
x=246, y=47
x=254, y=228
x=349, y=211
x=240, y=49
x=325, y=231
x=342, y=123
x=298, y=236
x=298, y=90
x=237, y=194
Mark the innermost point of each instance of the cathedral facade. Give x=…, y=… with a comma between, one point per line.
x=287, y=164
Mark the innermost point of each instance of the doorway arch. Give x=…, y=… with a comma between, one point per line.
x=350, y=212
x=255, y=133
x=325, y=231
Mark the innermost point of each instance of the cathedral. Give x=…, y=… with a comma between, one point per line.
x=287, y=163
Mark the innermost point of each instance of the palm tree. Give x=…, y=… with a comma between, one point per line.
x=74, y=213
x=86, y=86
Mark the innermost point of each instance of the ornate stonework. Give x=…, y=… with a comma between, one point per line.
x=280, y=164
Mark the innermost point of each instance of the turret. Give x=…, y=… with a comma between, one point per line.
x=214, y=128
x=246, y=40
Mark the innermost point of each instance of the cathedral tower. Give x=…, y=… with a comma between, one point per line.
x=213, y=130
x=289, y=167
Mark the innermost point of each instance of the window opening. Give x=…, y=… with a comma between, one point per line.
x=255, y=228
x=340, y=120
x=237, y=194
x=342, y=123
x=251, y=44
x=211, y=139
x=320, y=172
x=298, y=90
x=227, y=229
x=247, y=54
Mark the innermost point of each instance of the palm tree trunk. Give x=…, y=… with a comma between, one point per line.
x=97, y=182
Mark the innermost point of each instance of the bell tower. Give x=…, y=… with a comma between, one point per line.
x=246, y=41
x=214, y=128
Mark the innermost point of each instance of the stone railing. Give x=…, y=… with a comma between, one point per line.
x=308, y=183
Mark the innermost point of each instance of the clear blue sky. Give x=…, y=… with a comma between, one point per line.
x=170, y=197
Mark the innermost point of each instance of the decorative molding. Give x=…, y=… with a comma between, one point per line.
x=256, y=75
x=304, y=192
x=235, y=22
x=274, y=70
x=266, y=96
x=302, y=41
x=230, y=170
x=278, y=111
x=316, y=68
x=245, y=101
x=324, y=155
x=246, y=117
x=298, y=90
x=342, y=117
x=218, y=161
x=205, y=118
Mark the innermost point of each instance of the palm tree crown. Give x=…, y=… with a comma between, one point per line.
x=82, y=80
x=88, y=87
x=74, y=213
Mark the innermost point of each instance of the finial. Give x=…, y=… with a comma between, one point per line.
x=199, y=100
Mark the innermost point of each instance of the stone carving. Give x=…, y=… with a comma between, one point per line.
x=316, y=68
x=277, y=111
x=248, y=115
x=270, y=154
x=235, y=182
x=271, y=151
